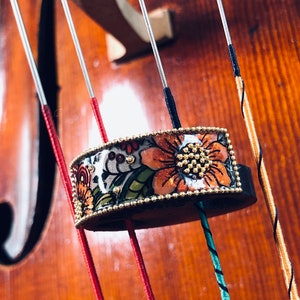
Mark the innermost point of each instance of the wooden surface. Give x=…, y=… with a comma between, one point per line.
x=266, y=37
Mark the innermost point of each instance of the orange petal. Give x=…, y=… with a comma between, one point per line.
x=208, y=139
x=210, y=181
x=88, y=193
x=156, y=158
x=217, y=175
x=218, y=152
x=165, y=182
x=169, y=142
x=182, y=187
x=81, y=189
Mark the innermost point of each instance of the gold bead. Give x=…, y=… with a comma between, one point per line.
x=179, y=164
x=187, y=170
x=116, y=190
x=130, y=159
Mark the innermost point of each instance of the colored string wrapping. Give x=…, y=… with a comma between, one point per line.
x=171, y=106
x=97, y=115
x=47, y=115
x=285, y=261
x=129, y=225
x=58, y=153
x=170, y=103
x=286, y=264
x=139, y=259
x=213, y=253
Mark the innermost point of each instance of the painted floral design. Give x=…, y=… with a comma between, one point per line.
x=159, y=164
x=84, y=192
x=130, y=146
x=187, y=162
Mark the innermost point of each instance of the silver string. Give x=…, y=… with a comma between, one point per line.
x=224, y=22
x=78, y=48
x=28, y=52
x=153, y=44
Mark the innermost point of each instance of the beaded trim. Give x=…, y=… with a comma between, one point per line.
x=159, y=167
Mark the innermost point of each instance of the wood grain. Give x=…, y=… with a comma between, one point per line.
x=266, y=37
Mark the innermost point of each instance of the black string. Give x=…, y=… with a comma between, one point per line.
x=170, y=102
x=234, y=61
x=291, y=281
x=242, y=98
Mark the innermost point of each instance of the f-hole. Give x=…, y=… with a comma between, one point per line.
x=46, y=160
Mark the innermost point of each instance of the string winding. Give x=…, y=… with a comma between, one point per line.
x=171, y=105
x=97, y=115
x=286, y=264
x=213, y=253
x=58, y=153
x=256, y=148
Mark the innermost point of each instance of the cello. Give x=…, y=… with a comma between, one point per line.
x=199, y=72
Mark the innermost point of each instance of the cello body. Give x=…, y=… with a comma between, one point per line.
x=266, y=38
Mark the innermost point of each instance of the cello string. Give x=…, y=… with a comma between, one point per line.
x=286, y=264
x=97, y=114
x=57, y=149
x=169, y=99
x=213, y=253
x=93, y=99
x=154, y=45
x=170, y=102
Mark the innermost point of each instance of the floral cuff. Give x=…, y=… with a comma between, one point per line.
x=155, y=179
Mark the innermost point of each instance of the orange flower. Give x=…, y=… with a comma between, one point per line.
x=187, y=162
x=84, y=192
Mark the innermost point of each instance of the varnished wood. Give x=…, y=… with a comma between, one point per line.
x=126, y=35
x=266, y=37
x=19, y=141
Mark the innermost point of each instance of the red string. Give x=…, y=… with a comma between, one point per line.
x=139, y=259
x=129, y=225
x=68, y=188
x=97, y=114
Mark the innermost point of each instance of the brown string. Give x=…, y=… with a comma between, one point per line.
x=263, y=176
x=267, y=191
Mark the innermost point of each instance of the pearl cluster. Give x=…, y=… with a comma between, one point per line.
x=194, y=160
